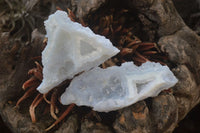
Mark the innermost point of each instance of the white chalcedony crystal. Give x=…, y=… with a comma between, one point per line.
x=117, y=87
x=71, y=49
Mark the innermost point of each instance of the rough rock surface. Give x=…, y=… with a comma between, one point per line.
x=174, y=37
x=83, y=7
x=88, y=126
x=18, y=61
x=160, y=117
x=70, y=126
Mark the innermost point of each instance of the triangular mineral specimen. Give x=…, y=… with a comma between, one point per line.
x=117, y=87
x=71, y=49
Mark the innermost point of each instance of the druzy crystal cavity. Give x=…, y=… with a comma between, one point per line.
x=71, y=49
x=116, y=87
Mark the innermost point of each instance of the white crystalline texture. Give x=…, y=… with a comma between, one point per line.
x=116, y=87
x=71, y=49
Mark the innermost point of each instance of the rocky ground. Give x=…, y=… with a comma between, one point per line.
x=190, y=12
x=160, y=24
